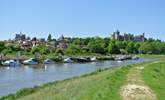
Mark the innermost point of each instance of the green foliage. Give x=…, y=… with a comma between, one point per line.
x=77, y=41
x=131, y=48
x=6, y=51
x=97, y=46
x=59, y=52
x=94, y=45
x=2, y=46
x=146, y=48
x=73, y=49
x=113, y=48
x=40, y=49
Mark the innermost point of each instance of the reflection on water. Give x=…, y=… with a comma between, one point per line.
x=15, y=78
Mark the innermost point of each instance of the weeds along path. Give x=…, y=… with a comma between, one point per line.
x=135, y=89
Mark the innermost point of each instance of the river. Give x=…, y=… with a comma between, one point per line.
x=14, y=78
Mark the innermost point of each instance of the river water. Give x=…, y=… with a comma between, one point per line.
x=14, y=78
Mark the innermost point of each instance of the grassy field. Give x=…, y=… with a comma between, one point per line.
x=154, y=77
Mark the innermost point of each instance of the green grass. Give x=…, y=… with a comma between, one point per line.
x=99, y=85
x=154, y=77
x=151, y=56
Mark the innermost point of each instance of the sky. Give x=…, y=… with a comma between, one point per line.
x=81, y=18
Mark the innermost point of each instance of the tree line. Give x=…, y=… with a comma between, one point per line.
x=95, y=45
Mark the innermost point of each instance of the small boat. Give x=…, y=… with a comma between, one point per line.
x=93, y=59
x=68, y=60
x=48, y=61
x=119, y=61
x=135, y=57
x=30, y=61
x=83, y=60
x=11, y=63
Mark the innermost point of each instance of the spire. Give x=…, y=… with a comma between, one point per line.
x=62, y=36
x=118, y=32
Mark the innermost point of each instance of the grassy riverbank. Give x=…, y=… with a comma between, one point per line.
x=100, y=85
x=154, y=77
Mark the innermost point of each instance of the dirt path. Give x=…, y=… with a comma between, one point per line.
x=135, y=89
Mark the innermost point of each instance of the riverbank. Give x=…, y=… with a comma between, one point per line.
x=99, y=85
x=84, y=87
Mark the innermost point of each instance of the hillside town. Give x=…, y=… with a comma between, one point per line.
x=25, y=42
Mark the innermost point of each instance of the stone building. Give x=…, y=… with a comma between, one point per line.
x=20, y=36
x=62, y=43
x=127, y=37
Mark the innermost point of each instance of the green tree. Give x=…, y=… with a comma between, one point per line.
x=2, y=46
x=59, y=52
x=131, y=48
x=42, y=49
x=77, y=41
x=73, y=49
x=35, y=49
x=146, y=48
x=113, y=48
x=97, y=46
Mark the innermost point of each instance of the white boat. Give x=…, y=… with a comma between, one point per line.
x=119, y=61
x=68, y=60
x=30, y=61
x=120, y=58
x=48, y=61
x=93, y=59
x=135, y=57
x=11, y=63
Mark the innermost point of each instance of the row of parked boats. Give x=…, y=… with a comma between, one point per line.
x=125, y=57
x=33, y=61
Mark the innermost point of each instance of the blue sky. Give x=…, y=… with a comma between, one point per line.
x=81, y=18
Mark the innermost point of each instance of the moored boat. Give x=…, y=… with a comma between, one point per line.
x=93, y=59
x=68, y=60
x=48, y=61
x=11, y=63
x=30, y=61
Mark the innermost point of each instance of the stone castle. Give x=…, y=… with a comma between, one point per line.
x=127, y=37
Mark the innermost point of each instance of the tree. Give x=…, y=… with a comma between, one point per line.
x=73, y=49
x=112, y=48
x=157, y=47
x=35, y=49
x=130, y=48
x=2, y=46
x=40, y=49
x=120, y=44
x=97, y=46
x=49, y=38
x=59, y=52
x=146, y=48
x=77, y=41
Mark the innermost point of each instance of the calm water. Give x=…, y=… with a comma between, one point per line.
x=14, y=78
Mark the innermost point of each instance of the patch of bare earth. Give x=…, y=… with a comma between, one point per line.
x=135, y=89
